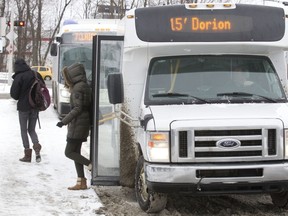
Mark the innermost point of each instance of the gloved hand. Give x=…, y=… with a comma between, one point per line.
x=59, y=124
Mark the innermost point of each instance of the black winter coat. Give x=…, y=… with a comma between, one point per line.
x=78, y=119
x=22, y=81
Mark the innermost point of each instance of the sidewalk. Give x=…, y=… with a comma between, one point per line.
x=4, y=91
x=39, y=188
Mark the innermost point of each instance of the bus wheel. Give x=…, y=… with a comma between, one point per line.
x=149, y=201
x=280, y=199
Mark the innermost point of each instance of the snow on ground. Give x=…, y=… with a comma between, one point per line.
x=39, y=188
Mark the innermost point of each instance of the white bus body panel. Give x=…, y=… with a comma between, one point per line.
x=136, y=59
x=137, y=52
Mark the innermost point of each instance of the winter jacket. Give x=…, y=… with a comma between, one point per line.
x=78, y=118
x=22, y=81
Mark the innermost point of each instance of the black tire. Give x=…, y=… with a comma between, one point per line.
x=47, y=78
x=149, y=201
x=280, y=199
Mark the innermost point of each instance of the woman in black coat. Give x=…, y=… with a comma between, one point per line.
x=22, y=81
x=78, y=120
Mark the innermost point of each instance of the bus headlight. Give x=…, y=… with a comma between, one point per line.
x=64, y=93
x=158, y=146
x=286, y=143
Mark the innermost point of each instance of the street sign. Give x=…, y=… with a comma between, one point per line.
x=9, y=48
x=11, y=36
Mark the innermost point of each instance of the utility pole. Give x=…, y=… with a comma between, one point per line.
x=2, y=33
x=11, y=37
x=2, y=27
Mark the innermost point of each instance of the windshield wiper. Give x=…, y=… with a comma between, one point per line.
x=175, y=94
x=240, y=94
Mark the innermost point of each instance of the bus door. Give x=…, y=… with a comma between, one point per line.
x=105, y=137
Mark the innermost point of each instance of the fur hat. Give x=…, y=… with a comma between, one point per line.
x=73, y=74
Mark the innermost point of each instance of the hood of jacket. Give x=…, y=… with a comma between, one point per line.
x=20, y=66
x=74, y=74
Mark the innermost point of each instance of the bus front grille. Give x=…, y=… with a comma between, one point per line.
x=201, y=145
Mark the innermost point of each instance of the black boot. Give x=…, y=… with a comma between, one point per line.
x=27, y=155
x=37, y=147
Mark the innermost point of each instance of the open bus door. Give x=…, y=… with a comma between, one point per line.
x=105, y=137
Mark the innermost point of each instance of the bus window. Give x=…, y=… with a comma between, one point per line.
x=110, y=50
x=80, y=54
x=174, y=80
x=273, y=80
x=73, y=44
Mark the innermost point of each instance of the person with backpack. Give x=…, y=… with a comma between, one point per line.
x=23, y=78
x=78, y=120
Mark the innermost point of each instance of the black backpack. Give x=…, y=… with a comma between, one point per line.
x=39, y=96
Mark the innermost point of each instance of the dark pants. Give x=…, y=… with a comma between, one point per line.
x=73, y=151
x=27, y=122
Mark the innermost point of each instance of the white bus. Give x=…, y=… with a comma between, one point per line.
x=73, y=44
x=196, y=130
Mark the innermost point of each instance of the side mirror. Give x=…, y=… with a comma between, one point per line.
x=59, y=39
x=115, y=88
x=53, y=49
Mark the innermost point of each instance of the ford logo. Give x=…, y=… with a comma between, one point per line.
x=228, y=143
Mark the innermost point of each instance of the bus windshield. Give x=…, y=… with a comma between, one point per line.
x=70, y=54
x=212, y=79
x=80, y=53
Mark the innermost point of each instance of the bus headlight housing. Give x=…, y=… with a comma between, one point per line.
x=286, y=143
x=65, y=93
x=158, y=146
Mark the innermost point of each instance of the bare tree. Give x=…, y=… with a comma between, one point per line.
x=87, y=7
x=39, y=33
x=67, y=2
x=2, y=7
x=30, y=44
x=2, y=14
x=22, y=39
x=29, y=40
x=34, y=29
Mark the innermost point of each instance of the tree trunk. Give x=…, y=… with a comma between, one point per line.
x=2, y=56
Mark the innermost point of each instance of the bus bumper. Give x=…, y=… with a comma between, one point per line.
x=221, y=179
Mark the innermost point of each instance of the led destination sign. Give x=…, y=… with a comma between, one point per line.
x=179, y=24
x=210, y=24
x=85, y=36
x=78, y=37
x=197, y=24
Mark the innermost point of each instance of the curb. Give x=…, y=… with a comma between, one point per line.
x=5, y=96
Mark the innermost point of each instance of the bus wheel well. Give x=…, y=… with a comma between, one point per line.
x=138, y=150
x=148, y=200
